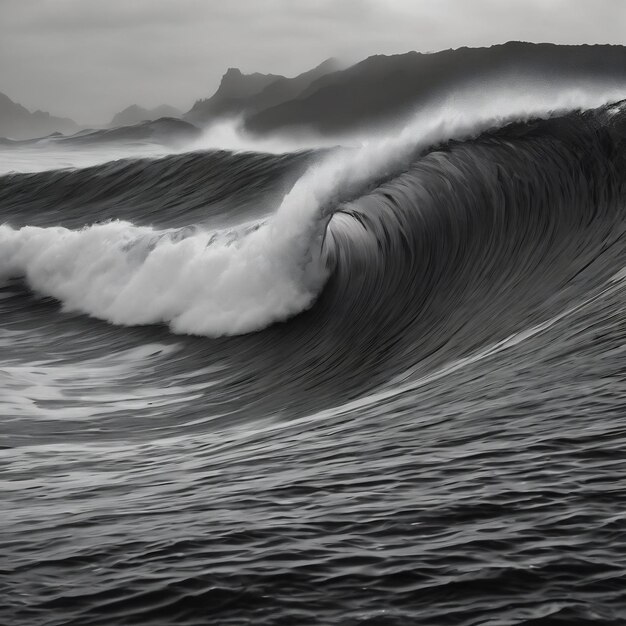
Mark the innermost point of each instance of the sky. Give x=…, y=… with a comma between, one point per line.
x=88, y=59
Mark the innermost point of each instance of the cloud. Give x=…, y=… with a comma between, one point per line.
x=89, y=59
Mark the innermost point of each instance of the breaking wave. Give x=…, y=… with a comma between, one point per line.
x=242, y=278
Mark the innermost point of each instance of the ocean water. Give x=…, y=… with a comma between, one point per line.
x=381, y=384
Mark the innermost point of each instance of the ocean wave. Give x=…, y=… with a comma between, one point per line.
x=242, y=279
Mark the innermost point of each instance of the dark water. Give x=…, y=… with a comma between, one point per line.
x=439, y=439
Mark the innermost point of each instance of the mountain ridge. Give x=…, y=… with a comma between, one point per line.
x=135, y=114
x=384, y=89
x=17, y=122
x=245, y=93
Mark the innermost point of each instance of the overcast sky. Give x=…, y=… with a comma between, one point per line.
x=88, y=59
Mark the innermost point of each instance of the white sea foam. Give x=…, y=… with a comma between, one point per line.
x=209, y=284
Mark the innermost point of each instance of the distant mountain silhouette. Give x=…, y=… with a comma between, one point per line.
x=379, y=91
x=384, y=89
x=248, y=93
x=17, y=122
x=231, y=95
x=135, y=114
